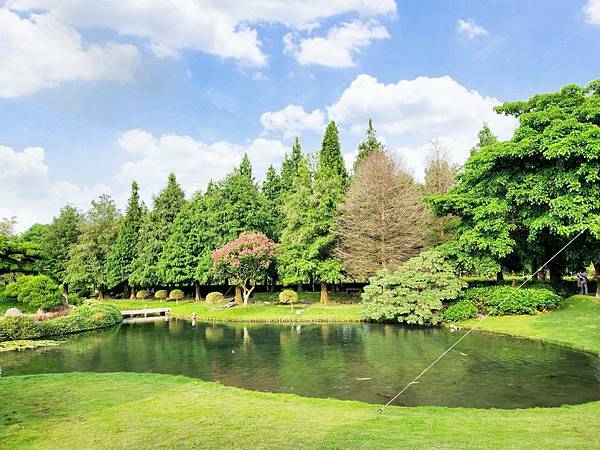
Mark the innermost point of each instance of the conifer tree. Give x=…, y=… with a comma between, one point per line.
x=368, y=145
x=272, y=203
x=120, y=260
x=289, y=167
x=155, y=230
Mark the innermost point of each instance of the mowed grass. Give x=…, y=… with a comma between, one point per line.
x=576, y=324
x=342, y=308
x=96, y=411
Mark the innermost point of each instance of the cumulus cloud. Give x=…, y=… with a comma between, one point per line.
x=292, y=121
x=470, y=28
x=193, y=161
x=217, y=27
x=411, y=112
x=28, y=191
x=40, y=52
x=338, y=47
x=592, y=12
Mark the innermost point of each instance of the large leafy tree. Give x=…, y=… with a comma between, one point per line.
x=87, y=258
x=155, y=230
x=382, y=218
x=535, y=191
x=120, y=259
x=330, y=184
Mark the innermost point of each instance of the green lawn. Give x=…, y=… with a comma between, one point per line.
x=342, y=308
x=576, y=324
x=148, y=410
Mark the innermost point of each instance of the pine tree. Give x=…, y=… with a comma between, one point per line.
x=331, y=160
x=368, y=145
x=87, y=258
x=155, y=230
x=289, y=167
x=485, y=137
x=272, y=202
x=120, y=259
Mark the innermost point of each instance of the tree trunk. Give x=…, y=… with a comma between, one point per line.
x=132, y=295
x=272, y=286
x=597, y=277
x=66, y=294
x=299, y=287
x=324, y=293
x=198, y=293
x=100, y=292
x=555, y=275
x=500, y=277
x=238, y=295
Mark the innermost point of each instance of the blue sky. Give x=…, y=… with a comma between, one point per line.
x=93, y=95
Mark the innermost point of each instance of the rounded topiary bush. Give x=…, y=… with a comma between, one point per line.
x=39, y=291
x=142, y=295
x=214, y=297
x=176, y=294
x=19, y=327
x=462, y=310
x=161, y=294
x=288, y=297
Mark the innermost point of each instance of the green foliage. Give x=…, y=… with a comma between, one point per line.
x=38, y=291
x=61, y=235
x=176, y=294
x=161, y=294
x=414, y=293
x=155, y=230
x=19, y=327
x=289, y=169
x=521, y=200
x=19, y=256
x=119, y=263
x=288, y=297
x=506, y=300
x=142, y=294
x=89, y=316
x=272, y=202
x=462, y=310
x=214, y=297
x=368, y=145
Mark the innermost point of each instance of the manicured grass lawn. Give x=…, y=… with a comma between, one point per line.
x=149, y=410
x=342, y=308
x=576, y=324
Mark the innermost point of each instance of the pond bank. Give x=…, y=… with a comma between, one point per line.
x=148, y=410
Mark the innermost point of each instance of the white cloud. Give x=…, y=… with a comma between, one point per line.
x=338, y=47
x=411, y=112
x=217, y=27
x=592, y=12
x=470, y=28
x=40, y=52
x=28, y=192
x=194, y=162
x=292, y=120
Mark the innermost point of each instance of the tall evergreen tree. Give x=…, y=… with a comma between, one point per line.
x=368, y=145
x=120, y=259
x=87, y=258
x=272, y=202
x=289, y=167
x=330, y=184
x=155, y=230
x=485, y=137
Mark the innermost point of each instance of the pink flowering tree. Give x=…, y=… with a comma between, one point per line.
x=245, y=261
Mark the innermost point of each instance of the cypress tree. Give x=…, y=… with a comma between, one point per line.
x=272, y=202
x=289, y=167
x=368, y=145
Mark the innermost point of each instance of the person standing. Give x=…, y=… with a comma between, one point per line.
x=582, y=283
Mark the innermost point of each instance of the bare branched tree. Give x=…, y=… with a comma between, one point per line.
x=381, y=222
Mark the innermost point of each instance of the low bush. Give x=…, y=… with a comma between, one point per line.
x=161, y=294
x=506, y=300
x=414, y=293
x=76, y=299
x=214, y=297
x=19, y=327
x=288, y=297
x=89, y=316
x=38, y=291
x=176, y=294
x=142, y=295
x=462, y=310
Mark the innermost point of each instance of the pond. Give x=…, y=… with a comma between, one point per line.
x=367, y=362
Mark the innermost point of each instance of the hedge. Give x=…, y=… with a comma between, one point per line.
x=214, y=297
x=505, y=300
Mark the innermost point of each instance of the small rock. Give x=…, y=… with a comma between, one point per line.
x=13, y=312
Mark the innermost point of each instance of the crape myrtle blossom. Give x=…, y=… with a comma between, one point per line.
x=244, y=261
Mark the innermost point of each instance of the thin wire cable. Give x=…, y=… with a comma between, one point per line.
x=416, y=379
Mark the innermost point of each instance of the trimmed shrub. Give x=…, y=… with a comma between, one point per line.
x=414, y=293
x=19, y=327
x=176, y=294
x=76, y=300
x=161, y=294
x=214, y=297
x=38, y=291
x=89, y=316
x=142, y=295
x=288, y=297
x=505, y=300
x=462, y=310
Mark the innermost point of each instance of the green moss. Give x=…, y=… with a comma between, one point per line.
x=148, y=410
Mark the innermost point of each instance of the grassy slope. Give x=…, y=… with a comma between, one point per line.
x=576, y=324
x=148, y=410
x=336, y=311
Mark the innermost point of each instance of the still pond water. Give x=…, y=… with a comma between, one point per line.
x=364, y=362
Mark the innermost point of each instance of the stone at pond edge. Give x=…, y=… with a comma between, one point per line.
x=13, y=312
